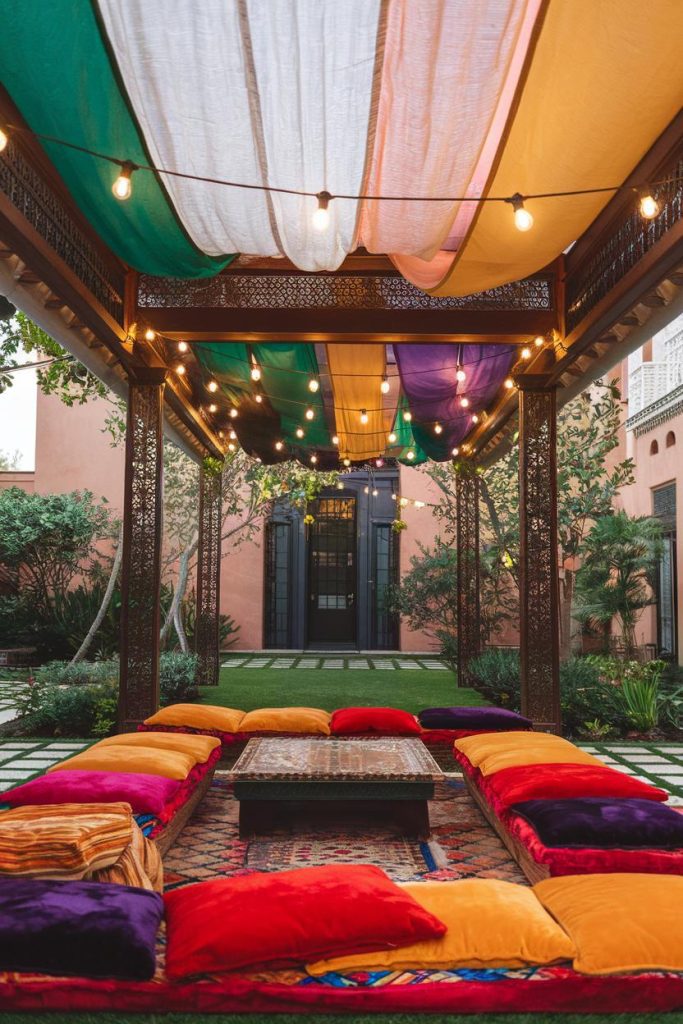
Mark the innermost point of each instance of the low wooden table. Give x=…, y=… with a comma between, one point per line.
x=383, y=779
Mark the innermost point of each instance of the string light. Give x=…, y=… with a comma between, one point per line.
x=150, y=335
x=363, y=417
x=379, y=463
x=375, y=492
x=347, y=462
x=366, y=490
x=314, y=459
x=509, y=383
x=649, y=207
x=212, y=386
x=340, y=485
x=475, y=418
x=419, y=504
x=392, y=438
x=309, y=414
x=410, y=456
x=460, y=374
x=258, y=397
x=464, y=401
x=255, y=372
x=455, y=452
x=523, y=219
x=233, y=413
x=213, y=407
x=321, y=217
x=123, y=186
x=232, y=435
x=407, y=416
x=526, y=352
x=539, y=341
x=4, y=139
x=180, y=370
x=278, y=446
x=438, y=429
x=335, y=439
x=231, y=447
x=221, y=433
x=313, y=385
x=183, y=346
x=403, y=502
x=393, y=496
x=384, y=386
x=299, y=432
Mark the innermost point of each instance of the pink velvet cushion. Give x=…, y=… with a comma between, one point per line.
x=146, y=794
x=379, y=721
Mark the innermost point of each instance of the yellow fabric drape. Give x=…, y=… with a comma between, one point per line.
x=604, y=83
x=356, y=372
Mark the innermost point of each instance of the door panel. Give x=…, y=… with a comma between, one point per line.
x=332, y=571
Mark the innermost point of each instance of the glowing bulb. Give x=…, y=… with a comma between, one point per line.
x=460, y=374
x=410, y=456
x=393, y=497
x=363, y=417
x=335, y=439
x=407, y=416
x=212, y=386
x=384, y=386
x=123, y=186
x=649, y=207
x=278, y=446
x=419, y=504
x=375, y=492
x=455, y=452
x=509, y=383
x=438, y=429
x=340, y=485
x=258, y=398
x=464, y=401
x=183, y=346
x=321, y=217
x=523, y=219
x=392, y=438
x=475, y=418
x=347, y=462
x=4, y=139
x=256, y=373
x=150, y=335
x=299, y=431
x=233, y=413
x=313, y=385
x=221, y=433
x=309, y=414
x=213, y=407
x=526, y=353
x=232, y=435
x=367, y=490
x=314, y=459
x=180, y=370
x=231, y=447
x=539, y=341
x=403, y=502
x=379, y=463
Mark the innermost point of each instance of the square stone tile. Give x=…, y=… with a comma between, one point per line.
x=670, y=769
x=438, y=667
x=44, y=755
x=675, y=800
x=613, y=749
x=409, y=664
x=309, y=663
x=30, y=766
x=359, y=663
x=14, y=775
x=384, y=665
x=588, y=750
x=15, y=745
x=333, y=663
x=233, y=663
x=283, y=663
x=65, y=746
x=647, y=759
x=623, y=768
x=256, y=663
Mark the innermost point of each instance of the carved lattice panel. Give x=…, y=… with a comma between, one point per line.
x=538, y=573
x=140, y=588
x=208, y=576
x=469, y=617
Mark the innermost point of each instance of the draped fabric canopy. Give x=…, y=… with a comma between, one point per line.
x=456, y=98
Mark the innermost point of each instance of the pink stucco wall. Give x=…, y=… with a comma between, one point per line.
x=422, y=528
x=18, y=478
x=242, y=589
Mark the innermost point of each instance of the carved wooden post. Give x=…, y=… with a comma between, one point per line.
x=468, y=611
x=207, y=635
x=141, y=566
x=538, y=569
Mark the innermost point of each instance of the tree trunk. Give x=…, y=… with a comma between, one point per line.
x=173, y=617
x=106, y=601
x=566, y=615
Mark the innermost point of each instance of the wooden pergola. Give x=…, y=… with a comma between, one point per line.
x=621, y=281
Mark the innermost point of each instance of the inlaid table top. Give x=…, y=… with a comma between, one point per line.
x=384, y=759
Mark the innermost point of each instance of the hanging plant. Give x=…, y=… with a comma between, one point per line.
x=398, y=525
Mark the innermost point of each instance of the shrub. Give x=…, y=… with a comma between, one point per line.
x=177, y=678
x=63, y=673
x=49, y=710
x=496, y=677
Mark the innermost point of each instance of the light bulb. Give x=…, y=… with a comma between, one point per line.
x=213, y=407
x=367, y=490
x=347, y=462
x=4, y=139
x=460, y=374
x=410, y=456
x=233, y=413
x=183, y=346
x=221, y=433
x=375, y=492
x=649, y=207
x=309, y=414
x=340, y=485
x=180, y=370
x=212, y=386
x=455, y=452
x=384, y=386
x=379, y=463
x=539, y=341
x=321, y=217
x=335, y=439
x=363, y=417
x=278, y=446
x=313, y=385
x=464, y=401
x=526, y=353
x=394, y=496
x=256, y=373
x=150, y=335
x=407, y=416
x=314, y=459
x=475, y=418
x=438, y=429
x=123, y=186
x=258, y=398
x=392, y=438
x=403, y=502
x=523, y=219
x=231, y=447
x=509, y=383
x=232, y=435
x=419, y=504
x=299, y=431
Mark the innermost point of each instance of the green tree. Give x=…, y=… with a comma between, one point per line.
x=426, y=596
x=617, y=578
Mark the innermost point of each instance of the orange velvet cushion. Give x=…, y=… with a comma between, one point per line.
x=199, y=747
x=493, y=752
x=490, y=923
x=171, y=764
x=198, y=716
x=476, y=748
x=300, y=720
x=619, y=922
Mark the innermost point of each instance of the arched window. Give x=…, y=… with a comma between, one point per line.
x=670, y=439
x=654, y=448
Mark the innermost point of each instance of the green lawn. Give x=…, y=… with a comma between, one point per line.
x=412, y=690
x=383, y=1018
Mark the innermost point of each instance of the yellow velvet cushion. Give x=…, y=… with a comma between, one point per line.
x=619, y=922
x=490, y=924
x=198, y=746
x=304, y=720
x=536, y=748
x=198, y=716
x=171, y=764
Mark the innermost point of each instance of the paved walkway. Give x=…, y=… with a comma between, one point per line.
x=338, y=661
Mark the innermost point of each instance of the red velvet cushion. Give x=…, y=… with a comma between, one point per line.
x=380, y=721
x=289, y=917
x=557, y=781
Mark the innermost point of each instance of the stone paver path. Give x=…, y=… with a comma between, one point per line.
x=21, y=760
x=658, y=763
x=8, y=695
x=336, y=661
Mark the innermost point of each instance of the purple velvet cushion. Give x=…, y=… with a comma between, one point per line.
x=90, y=929
x=472, y=718
x=604, y=824
x=146, y=794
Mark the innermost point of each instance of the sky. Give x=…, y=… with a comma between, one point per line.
x=18, y=418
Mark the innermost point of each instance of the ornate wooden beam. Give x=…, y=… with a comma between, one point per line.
x=538, y=568
x=141, y=566
x=467, y=541
x=207, y=634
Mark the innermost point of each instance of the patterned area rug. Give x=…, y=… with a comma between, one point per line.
x=462, y=845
